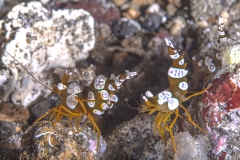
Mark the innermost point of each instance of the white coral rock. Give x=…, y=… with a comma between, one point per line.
x=42, y=40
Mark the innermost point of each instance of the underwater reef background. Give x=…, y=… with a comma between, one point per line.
x=100, y=37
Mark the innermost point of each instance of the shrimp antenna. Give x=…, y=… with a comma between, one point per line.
x=27, y=71
x=137, y=102
x=126, y=100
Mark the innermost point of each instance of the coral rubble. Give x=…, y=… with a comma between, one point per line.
x=42, y=40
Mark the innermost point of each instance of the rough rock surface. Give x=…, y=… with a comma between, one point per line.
x=44, y=141
x=13, y=113
x=13, y=120
x=135, y=139
x=189, y=147
x=135, y=44
x=202, y=11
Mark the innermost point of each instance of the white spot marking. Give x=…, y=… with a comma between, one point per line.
x=181, y=62
x=111, y=88
x=104, y=95
x=149, y=94
x=130, y=75
x=218, y=55
x=97, y=112
x=113, y=98
x=144, y=98
x=173, y=103
x=174, y=56
x=183, y=86
x=61, y=86
x=99, y=82
x=104, y=106
x=168, y=42
x=223, y=39
x=177, y=73
x=221, y=33
x=77, y=89
x=200, y=63
x=164, y=96
x=111, y=106
x=91, y=97
x=71, y=101
x=220, y=20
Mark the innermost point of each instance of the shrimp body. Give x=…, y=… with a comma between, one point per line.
x=77, y=101
x=168, y=101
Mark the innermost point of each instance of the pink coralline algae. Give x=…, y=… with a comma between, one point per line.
x=221, y=90
x=92, y=146
x=224, y=95
x=234, y=102
x=221, y=145
x=220, y=110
